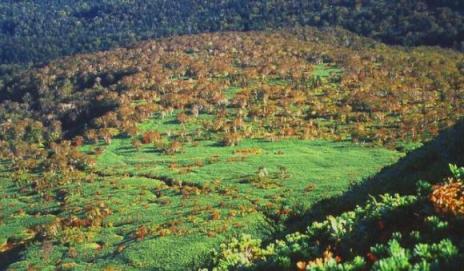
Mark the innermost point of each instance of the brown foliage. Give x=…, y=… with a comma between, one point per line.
x=173, y=148
x=151, y=137
x=182, y=118
x=448, y=198
x=231, y=139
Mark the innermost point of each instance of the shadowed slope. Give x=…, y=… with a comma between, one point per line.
x=429, y=163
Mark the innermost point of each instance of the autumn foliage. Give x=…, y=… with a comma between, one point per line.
x=448, y=198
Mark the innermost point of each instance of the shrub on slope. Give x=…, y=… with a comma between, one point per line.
x=393, y=232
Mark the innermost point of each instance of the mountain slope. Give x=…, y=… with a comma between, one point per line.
x=150, y=156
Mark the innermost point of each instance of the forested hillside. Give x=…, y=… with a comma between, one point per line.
x=149, y=157
x=37, y=31
x=231, y=135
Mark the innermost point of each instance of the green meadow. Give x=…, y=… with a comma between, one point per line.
x=192, y=201
x=169, y=211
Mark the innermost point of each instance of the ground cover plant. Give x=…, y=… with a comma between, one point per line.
x=390, y=232
x=151, y=156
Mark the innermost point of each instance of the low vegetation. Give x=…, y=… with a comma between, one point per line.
x=423, y=231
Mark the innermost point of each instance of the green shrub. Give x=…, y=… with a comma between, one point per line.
x=391, y=232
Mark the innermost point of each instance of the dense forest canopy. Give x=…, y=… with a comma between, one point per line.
x=37, y=31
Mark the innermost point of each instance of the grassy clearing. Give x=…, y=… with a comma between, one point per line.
x=189, y=202
x=185, y=223
x=324, y=71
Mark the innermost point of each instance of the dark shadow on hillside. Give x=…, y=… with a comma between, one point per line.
x=171, y=122
x=429, y=163
x=10, y=256
x=216, y=145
